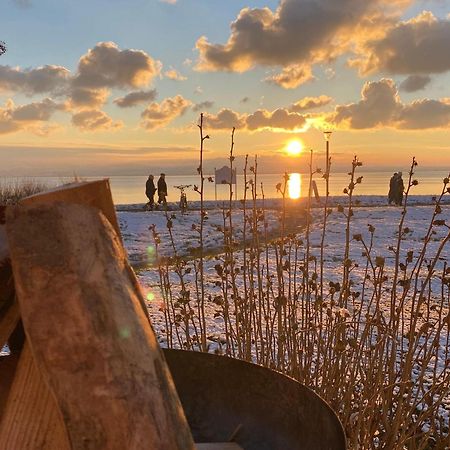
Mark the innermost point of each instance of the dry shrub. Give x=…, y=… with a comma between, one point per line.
x=12, y=191
x=371, y=338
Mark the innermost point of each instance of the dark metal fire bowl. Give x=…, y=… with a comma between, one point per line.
x=226, y=399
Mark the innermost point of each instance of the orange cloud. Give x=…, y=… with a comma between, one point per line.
x=279, y=120
x=416, y=46
x=172, y=74
x=31, y=117
x=297, y=35
x=381, y=107
x=307, y=103
x=156, y=115
x=45, y=79
x=106, y=65
x=94, y=120
x=87, y=98
x=292, y=76
x=135, y=98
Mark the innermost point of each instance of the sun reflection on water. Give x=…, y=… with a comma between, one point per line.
x=295, y=186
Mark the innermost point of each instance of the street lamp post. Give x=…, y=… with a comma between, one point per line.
x=327, y=135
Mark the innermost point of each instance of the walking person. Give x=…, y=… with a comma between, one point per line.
x=162, y=190
x=399, y=189
x=150, y=190
x=392, y=188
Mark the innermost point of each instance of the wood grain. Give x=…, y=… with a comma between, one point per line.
x=9, y=317
x=31, y=420
x=94, y=193
x=90, y=337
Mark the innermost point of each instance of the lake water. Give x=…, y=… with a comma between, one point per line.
x=131, y=189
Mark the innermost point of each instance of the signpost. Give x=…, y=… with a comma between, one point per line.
x=225, y=176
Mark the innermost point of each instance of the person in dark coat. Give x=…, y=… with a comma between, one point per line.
x=399, y=189
x=392, y=187
x=150, y=190
x=162, y=190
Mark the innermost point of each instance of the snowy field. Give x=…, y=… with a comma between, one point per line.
x=135, y=227
x=140, y=244
x=371, y=211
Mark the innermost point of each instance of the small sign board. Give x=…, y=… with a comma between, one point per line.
x=225, y=175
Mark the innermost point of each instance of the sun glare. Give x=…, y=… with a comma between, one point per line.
x=295, y=186
x=294, y=147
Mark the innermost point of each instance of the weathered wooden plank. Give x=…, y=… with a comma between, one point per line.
x=89, y=335
x=93, y=193
x=6, y=283
x=9, y=318
x=8, y=365
x=31, y=419
x=219, y=446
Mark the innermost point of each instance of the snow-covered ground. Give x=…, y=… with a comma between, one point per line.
x=138, y=237
x=139, y=242
x=140, y=245
x=371, y=212
x=135, y=223
x=385, y=220
x=276, y=203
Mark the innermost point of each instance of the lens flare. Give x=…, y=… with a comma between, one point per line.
x=124, y=333
x=151, y=254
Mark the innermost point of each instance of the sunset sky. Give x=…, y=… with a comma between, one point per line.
x=110, y=87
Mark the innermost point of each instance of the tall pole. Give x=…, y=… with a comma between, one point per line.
x=215, y=184
x=327, y=135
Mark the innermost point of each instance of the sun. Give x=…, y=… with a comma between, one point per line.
x=294, y=147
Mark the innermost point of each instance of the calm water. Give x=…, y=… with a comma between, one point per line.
x=131, y=189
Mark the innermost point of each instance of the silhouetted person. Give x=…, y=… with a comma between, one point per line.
x=392, y=187
x=400, y=187
x=162, y=190
x=150, y=190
